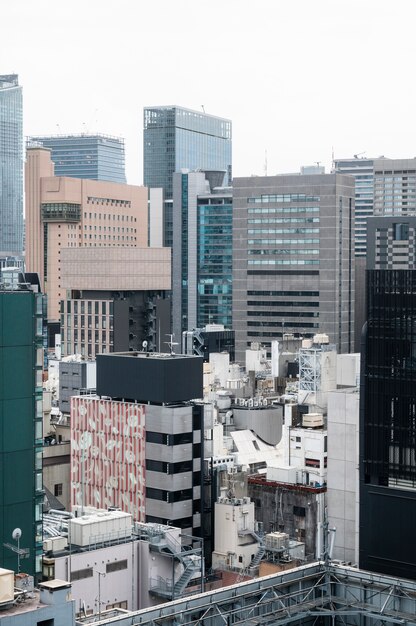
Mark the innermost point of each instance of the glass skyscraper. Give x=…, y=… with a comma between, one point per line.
x=363, y=172
x=215, y=259
x=96, y=157
x=202, y=251
x=175, y=138
x=11, y=166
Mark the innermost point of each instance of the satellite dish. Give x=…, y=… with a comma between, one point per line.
x=144, y=344
x=16, y=534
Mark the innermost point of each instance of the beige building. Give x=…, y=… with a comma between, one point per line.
x=64, y=213
x=115, y=299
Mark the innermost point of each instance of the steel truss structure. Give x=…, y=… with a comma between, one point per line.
x=313, y=595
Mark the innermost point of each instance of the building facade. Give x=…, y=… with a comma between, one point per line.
x=388, y=400
x=75, y=213
x=96, y=157
x=176, y=138
x=116, y=299
x=21, y=492
x=139, y=442
x=293, y=252
x=362, y=170
x=11, y=161
x=202, y=245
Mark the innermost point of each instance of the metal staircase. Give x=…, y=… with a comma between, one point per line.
x=171, y=589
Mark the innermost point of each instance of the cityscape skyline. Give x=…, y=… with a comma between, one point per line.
x=258, y=72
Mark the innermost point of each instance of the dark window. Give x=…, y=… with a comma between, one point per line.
x=116, y=566
x=299, y=511
x=157, y=466
x=82, y=573
x=58, y=489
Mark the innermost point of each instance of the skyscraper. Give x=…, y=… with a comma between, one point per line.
x=96, y=157
x=21, y=362
x=293, y=252
x=11, y=166
x=176, y=138
x=362, y=171
x=388, y=396
x=202, y=250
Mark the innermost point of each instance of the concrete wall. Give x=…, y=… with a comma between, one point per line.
x=343, y=476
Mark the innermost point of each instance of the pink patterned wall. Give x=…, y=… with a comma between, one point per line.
x=109, y=438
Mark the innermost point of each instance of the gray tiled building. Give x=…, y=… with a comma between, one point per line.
x=293, y=258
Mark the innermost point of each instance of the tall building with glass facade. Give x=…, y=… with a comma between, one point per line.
x=202, y=251
x=21, y=414
x=11, y=166
x=175, y=138
x=388, y=383
x=363, y=173
x=96, y=157
x=293, y=253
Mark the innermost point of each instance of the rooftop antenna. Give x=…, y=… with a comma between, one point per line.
x=356, y=156
x=203, y=108
x=171, y=343
x=265, y=163
x=21, y=552
x=318, y=163
x=333, y=160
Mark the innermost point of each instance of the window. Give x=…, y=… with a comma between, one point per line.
x=300, y=511
x=116, y=566
x=58, y=489
x=82, y=573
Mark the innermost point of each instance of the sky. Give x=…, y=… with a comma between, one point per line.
x=300, y=79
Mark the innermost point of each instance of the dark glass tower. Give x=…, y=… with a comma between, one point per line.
x=11, y=166
x=175, y=138
x=96, y=157
x=388, y=425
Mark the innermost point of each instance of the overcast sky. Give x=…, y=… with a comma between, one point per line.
x=296, y=77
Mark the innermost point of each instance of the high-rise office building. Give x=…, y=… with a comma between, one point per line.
x=70, y=213
x=293, y=252
x=21, y=363
x=362, y=171
x=11, y=166
x=202, y=251
x=96, y=157
x=176, y=138
x=382, y=187
x=388, y=395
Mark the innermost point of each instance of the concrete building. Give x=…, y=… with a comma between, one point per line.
x=293, y=251
x=202, y=250
x=116, y=299
x=236, y=541
x=74, y=213
x=95, y=157
x=391, y=242
x=21, y=364
x=133, y=565
x=139, y=444
x=175, y=138
x=11, y=158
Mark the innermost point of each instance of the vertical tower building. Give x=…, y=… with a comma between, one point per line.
x=293, y=251
x=11, y=166
x=388, y=396
x=21, y=362
x=362, y=171
x=202, y=250
x=176, y=138
x=96, y=157
x=64, y=213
